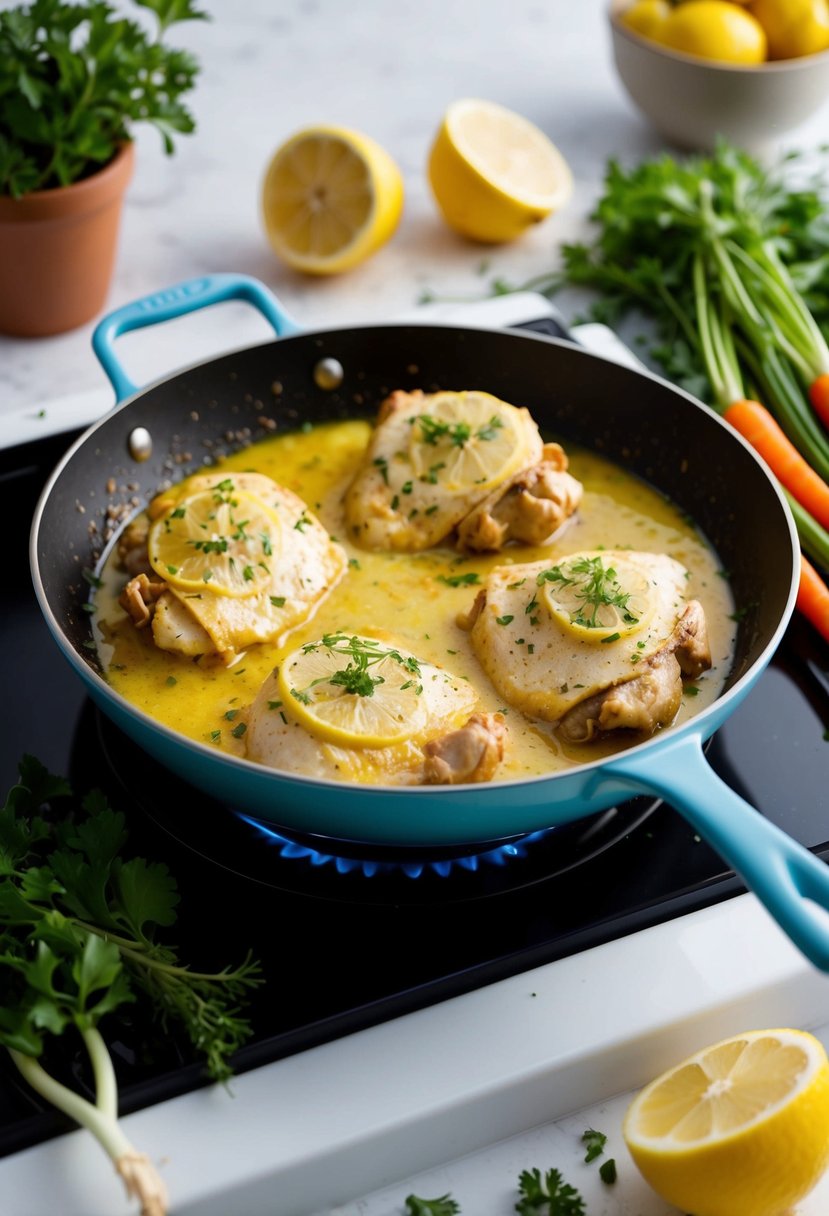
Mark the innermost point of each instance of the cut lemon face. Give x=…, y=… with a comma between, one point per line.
x=494, y=173
x=741, y=1127
x=330, y=199
x=598, y=597
x=222, y=541
x=354, y=691
x=467, y=441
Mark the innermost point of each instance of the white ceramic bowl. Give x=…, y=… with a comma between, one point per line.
x=692, y=101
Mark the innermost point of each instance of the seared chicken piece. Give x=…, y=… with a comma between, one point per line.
x=393, y=720
x=596, y=642
x=442, y=462
x=530, y=508
x=472, y=753
x=249, y=586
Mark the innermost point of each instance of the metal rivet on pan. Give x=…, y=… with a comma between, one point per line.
x=140, y=444
x=328, y=374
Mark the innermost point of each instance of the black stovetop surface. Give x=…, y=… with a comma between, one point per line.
x=340, y=949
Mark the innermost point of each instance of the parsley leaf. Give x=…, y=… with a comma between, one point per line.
x=549, y=1195
x=445, y=1205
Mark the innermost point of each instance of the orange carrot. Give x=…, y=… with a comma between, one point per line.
x=755, y=423
x=819, y=397
x=813, y=598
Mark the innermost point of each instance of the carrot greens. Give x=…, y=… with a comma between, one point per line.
x=79, y=925
x=730, y=261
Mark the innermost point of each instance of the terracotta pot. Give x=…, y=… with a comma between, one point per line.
x=57, y=251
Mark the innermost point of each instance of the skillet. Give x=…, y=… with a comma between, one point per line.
x=174, y=427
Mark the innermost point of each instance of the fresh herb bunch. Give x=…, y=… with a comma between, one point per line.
x=78, y=927
x=729, y=261
x=75, y=77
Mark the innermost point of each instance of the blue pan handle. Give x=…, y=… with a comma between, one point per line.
x=178, y=301
x=787, y=879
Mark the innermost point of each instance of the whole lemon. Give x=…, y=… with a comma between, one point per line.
x=793, y=27
x=715, y=29
x=646, y=17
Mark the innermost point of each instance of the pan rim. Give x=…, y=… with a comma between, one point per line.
x=694, y=726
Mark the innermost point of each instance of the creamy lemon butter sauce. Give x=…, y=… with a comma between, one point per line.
x=406, y=598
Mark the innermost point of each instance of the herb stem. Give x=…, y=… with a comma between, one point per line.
x=106, y=1086
x=139, y=1175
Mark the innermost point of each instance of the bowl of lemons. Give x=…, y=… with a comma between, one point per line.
x=700, y=70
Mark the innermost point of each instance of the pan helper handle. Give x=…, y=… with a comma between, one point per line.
x=178, y=301
x=791, y=883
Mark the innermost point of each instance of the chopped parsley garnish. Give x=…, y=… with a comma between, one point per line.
x=607, y=1171
x=595, y=586
x=504, y=620
x=239, y=730
x=432, y=430
x=278, y=601
x=595, y=1142
x=460, y=580
x=355, y=677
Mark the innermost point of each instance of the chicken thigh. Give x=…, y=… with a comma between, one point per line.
x=354, y=708
x=225, y=562
x=464, y=466
x=597, y=642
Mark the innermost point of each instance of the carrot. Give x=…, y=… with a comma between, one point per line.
x=755, y=424
x=819, y=397
x=813, y=598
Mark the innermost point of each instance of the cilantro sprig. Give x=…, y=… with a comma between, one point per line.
x=79, y=938
x=64, y=112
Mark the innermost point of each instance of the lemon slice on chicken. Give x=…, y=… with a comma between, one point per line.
x=354, y=691
x=223, y=541
x=467, y=441
x=598, y=598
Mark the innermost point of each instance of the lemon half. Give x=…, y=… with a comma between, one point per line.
x=467, y=441
x=331, y=197
x=223, y=541
x=354, y=691
x=597, y=598
x=739, y=1129
x=494, y=173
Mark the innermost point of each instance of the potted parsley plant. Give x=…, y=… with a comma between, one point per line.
x=74, y=79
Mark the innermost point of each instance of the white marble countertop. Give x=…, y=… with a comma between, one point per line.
x=271, y=67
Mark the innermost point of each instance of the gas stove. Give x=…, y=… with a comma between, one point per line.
x=357, y=944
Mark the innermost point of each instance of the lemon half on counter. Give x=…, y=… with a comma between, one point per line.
x=494, y=173
x=330, y=199
x=739, y=1129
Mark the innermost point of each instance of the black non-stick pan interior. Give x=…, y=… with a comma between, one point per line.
x=637, y=421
